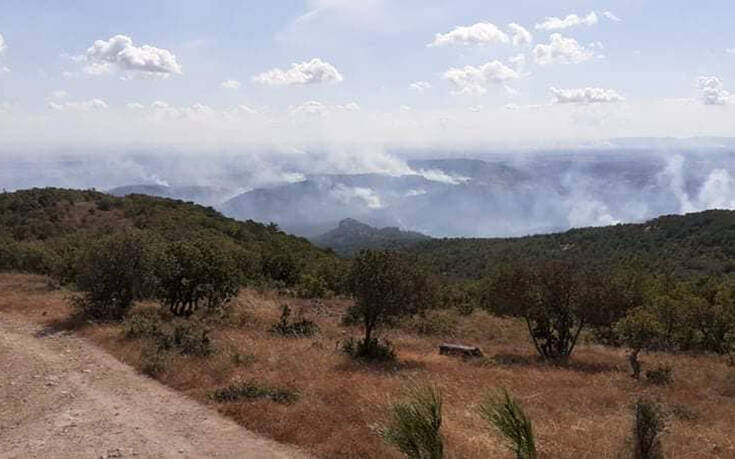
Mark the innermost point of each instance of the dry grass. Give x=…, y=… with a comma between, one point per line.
x=582, y=411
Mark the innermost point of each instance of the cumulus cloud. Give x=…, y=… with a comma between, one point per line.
x=571, y=20
x=84, y=106
x=713, y=91
x=135, y=106
x=482, y=33
x=420, y=86
x=561, y=50
x=315, y=71
x=585, y=96
x=119, y=53
x=310, y=108
x=475, y=80
x=521, y=36
x=231, y=84
x=611, y=16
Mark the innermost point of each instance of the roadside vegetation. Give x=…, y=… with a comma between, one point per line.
x=313, y=350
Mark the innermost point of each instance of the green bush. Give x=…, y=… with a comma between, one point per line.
x=143, y=324
x=113, y=273
x=506, y=415
x=188, y=338
x=660, y=375
x=648, y=427
x=311, y=286
x=370, y=351
x=302, y=327
x=415, y=425
x=154, y=361
x=251, y=390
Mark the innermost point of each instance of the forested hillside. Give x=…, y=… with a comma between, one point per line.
x=44, y=230
x=701, y=243
x=351, y=236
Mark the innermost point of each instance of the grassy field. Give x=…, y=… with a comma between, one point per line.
x=579, y=411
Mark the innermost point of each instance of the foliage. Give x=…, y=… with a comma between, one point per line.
x=351, y=236
x=552, y=298
x=251, y=390
x=113, y=273
x=660, y=375
x=415, y=426
x=374, y=350
x=285, y=327
x=505, y=414
x=194, y=274
x=648, y=427
x=188, y=338
x=639, y=330
x=386, y=286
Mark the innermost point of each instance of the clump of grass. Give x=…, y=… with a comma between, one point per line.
x=660, y=375
x=506, y=415
x=649, y=425
x=154, y=361
x=372, y=350
x=187, y=337
x=252, y=390
x=415, y=426
x=241, y=358
x=285, y=327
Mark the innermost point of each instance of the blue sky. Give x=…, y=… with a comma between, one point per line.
x=618, y=68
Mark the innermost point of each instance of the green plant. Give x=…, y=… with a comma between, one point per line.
x=506, y=415
x=370, y=351
x=638, y=330
x=648, y=427
x=188, y=338
x=660, y=375
x=251, y=390
x=154, y=361
x=142, y=324
x=415, y=426
x=284, y=327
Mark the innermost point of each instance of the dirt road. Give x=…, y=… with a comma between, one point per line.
x=61, y=397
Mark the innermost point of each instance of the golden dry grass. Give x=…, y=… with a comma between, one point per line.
x=582, y=411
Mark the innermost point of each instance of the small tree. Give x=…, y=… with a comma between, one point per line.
x=506, y=415
x=639, y=330
x=386, y=286
x=648, y=427
x=415, y=427
x=113, y=273
x=553, y=300
x=194, y=274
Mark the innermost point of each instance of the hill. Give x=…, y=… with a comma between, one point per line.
x=702, y=242
x=351, y=236
x=42, y=230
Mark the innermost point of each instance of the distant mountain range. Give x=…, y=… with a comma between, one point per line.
x=351, y=236
x=501, y=196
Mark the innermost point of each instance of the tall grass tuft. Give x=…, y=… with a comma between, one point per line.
x=415, y=427
x=506, y=415
x=647, y=430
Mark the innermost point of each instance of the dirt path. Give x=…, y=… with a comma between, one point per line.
x=62, y=397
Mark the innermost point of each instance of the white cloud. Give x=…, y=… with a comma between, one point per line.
x=4, y=107
x=59, y=94
x=352, y=107
x=119, y=53
x=730, y=51
x=420, y=86
x=84, y=106
x=231, y=84
x=713, y=91
x=475, y=80
x=521, y=36
x=518, y=61
x=586, y=96
x=314, y=71
x=561, y=50
x=475, y=108
x=572, y=20
x=310, y=108
x=3, y=46
x=481, y=33
x=609, y=15
x=135, y=106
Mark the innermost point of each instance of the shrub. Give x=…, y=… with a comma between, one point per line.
x=370, y=351
x=154, y=361
x=638, y=330
x=311, y=286
x=508, y=418
x=143, y=324
x=648, y=427
x=112, y=274
x=660, y=375
x=415, y=426
x=435, y=323
x=194, y=274
x=251, y=390
x=301, y=327
x=188, y=338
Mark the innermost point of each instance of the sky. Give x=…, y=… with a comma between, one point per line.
x=389, y=72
